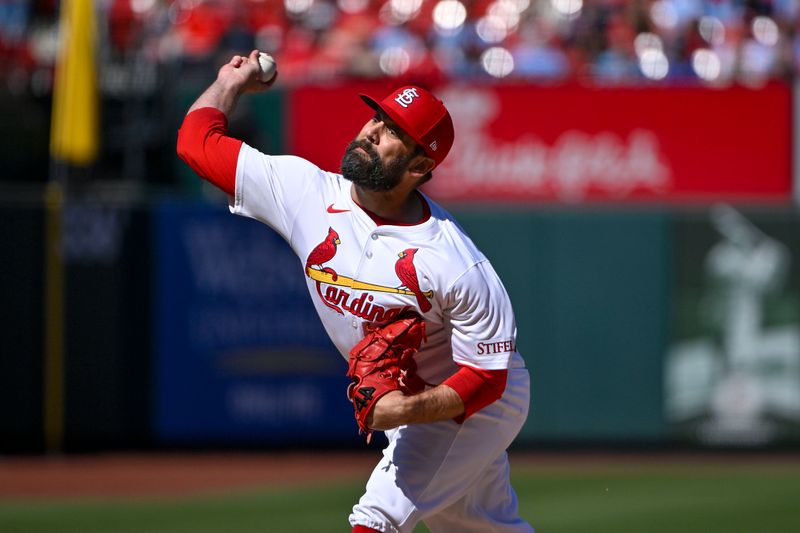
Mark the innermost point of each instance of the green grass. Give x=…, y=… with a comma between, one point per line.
x=568, y=499
x=655, y=500
x=295, y=510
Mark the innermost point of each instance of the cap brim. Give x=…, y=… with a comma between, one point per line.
x=376, y=105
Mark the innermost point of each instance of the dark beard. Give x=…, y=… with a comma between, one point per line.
x=372, y=175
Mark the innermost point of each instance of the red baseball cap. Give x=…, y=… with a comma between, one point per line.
x=421, y=115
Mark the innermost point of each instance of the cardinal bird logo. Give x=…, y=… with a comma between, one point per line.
x=324, y=252
x=342, y=293
x=407, y=272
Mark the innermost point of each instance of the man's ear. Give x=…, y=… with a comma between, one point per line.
x=422, y=165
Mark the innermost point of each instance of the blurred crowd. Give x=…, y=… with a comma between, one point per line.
x=543, y=41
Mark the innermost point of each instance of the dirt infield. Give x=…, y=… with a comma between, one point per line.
x=187, y=474
x=142, y=475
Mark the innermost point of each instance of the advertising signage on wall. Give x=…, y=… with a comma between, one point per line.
x=732, y=370
x=572, y=144
x=240, y=355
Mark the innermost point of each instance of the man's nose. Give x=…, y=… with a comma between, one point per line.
x=373, y=132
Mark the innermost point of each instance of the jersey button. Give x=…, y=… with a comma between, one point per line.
x=374, y=236
x=355, y=324
x=368, y=254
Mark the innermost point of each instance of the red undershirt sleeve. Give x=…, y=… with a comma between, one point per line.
x=204, y=145
x=477, y=388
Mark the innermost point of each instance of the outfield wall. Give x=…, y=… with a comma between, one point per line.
x=187, y=326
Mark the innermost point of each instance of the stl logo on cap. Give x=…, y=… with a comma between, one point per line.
x=406, y=97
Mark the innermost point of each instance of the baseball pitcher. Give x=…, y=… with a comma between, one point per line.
x=414, y=307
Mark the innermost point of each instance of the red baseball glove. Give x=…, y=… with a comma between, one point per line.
x=383, y=361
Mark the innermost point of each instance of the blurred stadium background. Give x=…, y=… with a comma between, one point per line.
x=630, y=168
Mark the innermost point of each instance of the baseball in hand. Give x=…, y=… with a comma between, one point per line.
x=268, y=67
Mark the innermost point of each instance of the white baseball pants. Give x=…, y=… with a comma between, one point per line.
x=452, y=477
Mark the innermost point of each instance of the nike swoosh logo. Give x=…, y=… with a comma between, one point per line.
x=333, y=210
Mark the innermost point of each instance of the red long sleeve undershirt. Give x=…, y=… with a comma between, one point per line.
x=204, y=145
x=477, y=388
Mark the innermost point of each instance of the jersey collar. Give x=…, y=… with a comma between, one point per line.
x=383, y=222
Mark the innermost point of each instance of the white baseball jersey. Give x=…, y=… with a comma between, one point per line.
x=452, y=476
x=358, y=272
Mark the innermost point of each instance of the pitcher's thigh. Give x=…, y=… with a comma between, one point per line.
x=490, y=506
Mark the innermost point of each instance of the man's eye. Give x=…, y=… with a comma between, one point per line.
x=392, y=131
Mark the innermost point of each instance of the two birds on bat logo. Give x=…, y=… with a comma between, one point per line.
x=362, y=305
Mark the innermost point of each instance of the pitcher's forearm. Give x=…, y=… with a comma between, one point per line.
x=396, y=409
x=222, y=95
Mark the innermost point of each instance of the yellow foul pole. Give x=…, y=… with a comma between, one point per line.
x=74, y=126
x=74, y=130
